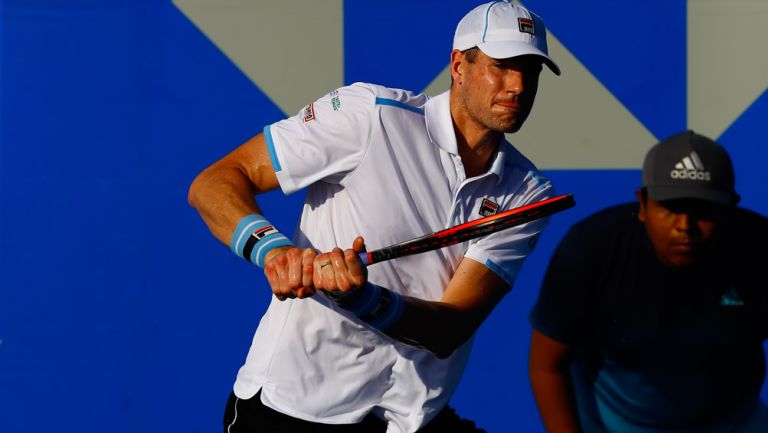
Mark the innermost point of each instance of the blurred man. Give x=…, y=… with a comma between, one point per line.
x=652, y=314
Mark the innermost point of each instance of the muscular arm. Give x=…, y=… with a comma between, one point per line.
x=441, y=327
x=549, y=370
x=224, y=193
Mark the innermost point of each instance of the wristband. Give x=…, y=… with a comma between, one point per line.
x=375, y=305
x=254, y=237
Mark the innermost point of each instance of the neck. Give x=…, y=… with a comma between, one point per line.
x=476, y=143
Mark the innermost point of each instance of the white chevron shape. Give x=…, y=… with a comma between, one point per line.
x=292, y=50
x=727, y=61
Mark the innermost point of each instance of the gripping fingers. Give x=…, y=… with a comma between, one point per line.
x=340, y=271
x=289, y=275
x=325, y=273
x=276, y=271
x=306, y=287
x=357, y=273
x=327, y=267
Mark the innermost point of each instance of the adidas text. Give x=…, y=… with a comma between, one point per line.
x=690, y=174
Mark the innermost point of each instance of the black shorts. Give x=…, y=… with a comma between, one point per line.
x=251, y=416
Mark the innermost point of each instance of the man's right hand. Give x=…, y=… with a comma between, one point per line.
x=339, y=272
x=289, y=272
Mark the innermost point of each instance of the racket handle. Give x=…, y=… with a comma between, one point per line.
x=365, y=257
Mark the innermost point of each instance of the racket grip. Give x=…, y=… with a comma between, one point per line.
x=365, y=258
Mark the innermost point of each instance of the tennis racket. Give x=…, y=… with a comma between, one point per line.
x=470, y=230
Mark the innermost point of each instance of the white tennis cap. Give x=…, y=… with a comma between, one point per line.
x=502, y=29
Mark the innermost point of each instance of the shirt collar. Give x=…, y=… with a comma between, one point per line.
x=437, y=112
x=500, y=159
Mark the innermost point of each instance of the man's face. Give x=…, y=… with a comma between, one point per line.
x=499, y=93
x=681, y=231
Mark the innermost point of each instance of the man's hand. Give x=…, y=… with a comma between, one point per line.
x=289, y=272
x=340, y=271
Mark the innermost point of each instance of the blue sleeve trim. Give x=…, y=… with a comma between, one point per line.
x=398, y=104
x=271, y=149
x=500, y=272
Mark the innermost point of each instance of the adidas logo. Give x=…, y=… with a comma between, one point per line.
x=690, y=167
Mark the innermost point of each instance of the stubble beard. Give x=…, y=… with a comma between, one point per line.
x=495, y=123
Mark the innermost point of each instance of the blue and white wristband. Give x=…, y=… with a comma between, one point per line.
x=375, y=305
x=254, y=237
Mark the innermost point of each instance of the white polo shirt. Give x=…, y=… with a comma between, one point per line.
x=381, y=163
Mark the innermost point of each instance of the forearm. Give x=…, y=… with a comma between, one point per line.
x=224, y=192
x=438, y=326
x=549, y=366
x=222, y=199
x=434, y=326
x=555, y=399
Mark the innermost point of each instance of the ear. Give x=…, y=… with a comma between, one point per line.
x=457, y=66
x=641, y=212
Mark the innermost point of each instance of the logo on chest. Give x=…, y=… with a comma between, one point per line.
x=731, y=298
x=488, y=208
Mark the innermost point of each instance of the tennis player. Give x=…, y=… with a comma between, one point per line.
x=343, y=348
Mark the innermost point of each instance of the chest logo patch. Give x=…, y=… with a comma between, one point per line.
x=731, y=298
x=488, y=208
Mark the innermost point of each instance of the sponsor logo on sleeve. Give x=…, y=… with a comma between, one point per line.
x=309, y=113
x=335, y=100
x=526, y=25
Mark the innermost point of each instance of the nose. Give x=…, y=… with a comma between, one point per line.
x=688, y=223
x=514, y=82
x=682, y=222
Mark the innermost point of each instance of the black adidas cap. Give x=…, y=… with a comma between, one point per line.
x=689, y=165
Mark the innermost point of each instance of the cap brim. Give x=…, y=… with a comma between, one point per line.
x=663, y=193
x=507, y=49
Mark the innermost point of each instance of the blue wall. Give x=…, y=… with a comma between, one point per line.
x=118, y=311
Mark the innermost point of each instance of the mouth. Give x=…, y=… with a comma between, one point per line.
x=684, y=247
x=507, y=110
x=508, y=105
